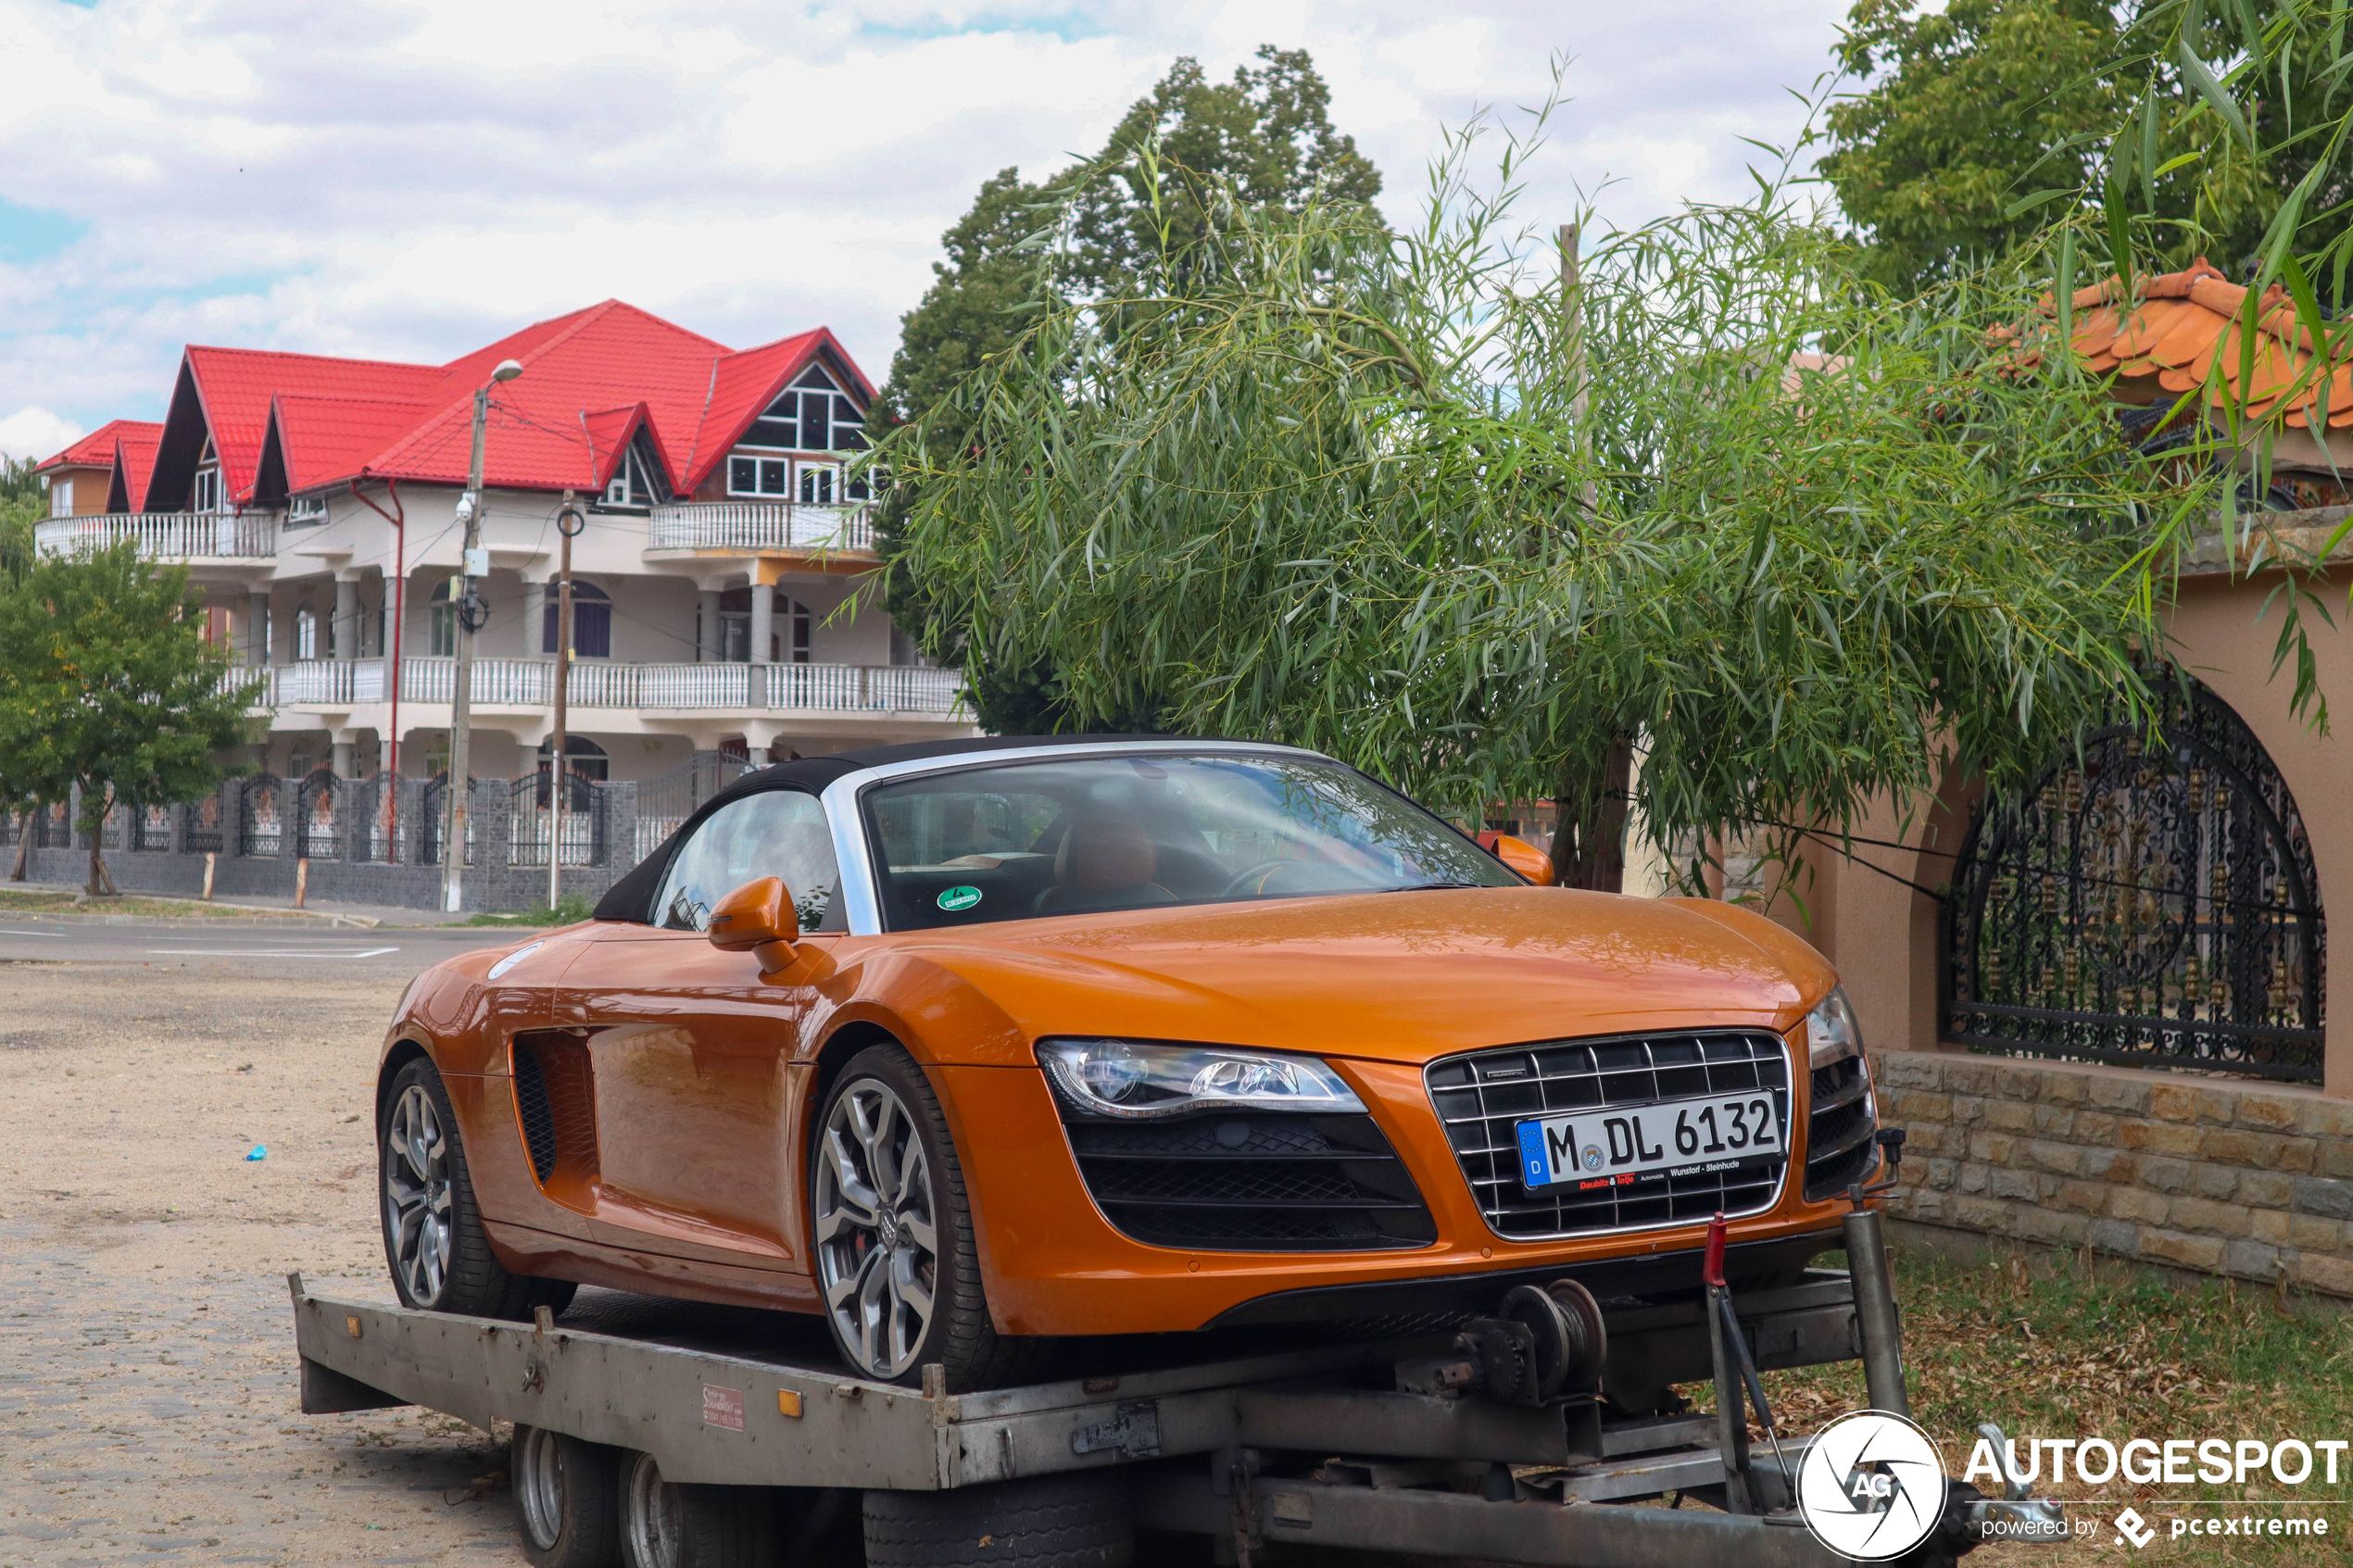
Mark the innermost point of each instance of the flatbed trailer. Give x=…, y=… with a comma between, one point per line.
x=675, y=1436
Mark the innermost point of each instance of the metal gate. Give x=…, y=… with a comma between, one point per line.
x=2150, y=904
x=316, y=837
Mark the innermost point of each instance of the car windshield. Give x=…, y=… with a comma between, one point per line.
x=1084, y=833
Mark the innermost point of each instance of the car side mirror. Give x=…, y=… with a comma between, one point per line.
x=757, y=917
x=1525, y=858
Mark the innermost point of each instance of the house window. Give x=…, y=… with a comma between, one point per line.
x=591, y=621
x=306, y=633
x=817, y=488
x=748, y=474
x=61, y=498
x=632, y=484
x=789, y=629
x=304, y=509
x=444, y=622
x=812, y=415
x=204, y=495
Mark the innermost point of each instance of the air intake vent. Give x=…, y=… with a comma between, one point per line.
x=537, y=1116
x=1483, y=1096
x=1839, y=1146
x=1256, y=1182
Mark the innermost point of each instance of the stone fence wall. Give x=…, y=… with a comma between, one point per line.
x=2227, y=1176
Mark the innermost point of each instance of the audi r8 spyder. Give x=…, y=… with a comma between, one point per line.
x=969, y=1047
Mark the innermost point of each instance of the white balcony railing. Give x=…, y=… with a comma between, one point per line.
x=760, y=525
x=163, y=535
x=531, y=682
x=844, y=687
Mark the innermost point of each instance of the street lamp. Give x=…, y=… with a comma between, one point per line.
x=471, y=613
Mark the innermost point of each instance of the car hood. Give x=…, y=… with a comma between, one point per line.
x=1398, y=976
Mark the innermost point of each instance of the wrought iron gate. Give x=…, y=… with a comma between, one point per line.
x=2155, y=906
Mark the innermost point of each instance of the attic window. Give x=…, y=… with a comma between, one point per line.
x=629, y=487
x=61, y=498
x=811, y=416
x=204, y=496
x=307, y=509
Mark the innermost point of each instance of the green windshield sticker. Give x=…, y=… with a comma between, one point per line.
x=957, y=898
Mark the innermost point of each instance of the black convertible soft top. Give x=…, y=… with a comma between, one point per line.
x=632, y=897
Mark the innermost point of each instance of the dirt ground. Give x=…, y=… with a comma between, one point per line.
x=147, y=1365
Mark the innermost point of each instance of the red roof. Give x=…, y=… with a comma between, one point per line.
x=96, y=449
x=590, y=380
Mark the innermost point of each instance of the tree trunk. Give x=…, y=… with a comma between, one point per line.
x=101, y=879
x=24, y=843
x=1589, y=836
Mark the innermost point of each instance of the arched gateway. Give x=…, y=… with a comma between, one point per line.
x=2149, y=906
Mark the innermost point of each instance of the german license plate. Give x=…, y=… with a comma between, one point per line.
x=1676, y=1137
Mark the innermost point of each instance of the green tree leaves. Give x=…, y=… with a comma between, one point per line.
x=1152, y=201
x=107, y=682
x=1330, y=490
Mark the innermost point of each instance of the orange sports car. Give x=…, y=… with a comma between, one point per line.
x=968, y=1047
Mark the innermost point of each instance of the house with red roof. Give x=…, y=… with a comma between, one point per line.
x=722, y=576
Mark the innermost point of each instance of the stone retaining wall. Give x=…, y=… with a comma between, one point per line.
x=2226, y=1177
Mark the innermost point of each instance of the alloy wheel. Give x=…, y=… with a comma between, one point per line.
x=876, y=1230
x=416, y=1193
x=539, y=1486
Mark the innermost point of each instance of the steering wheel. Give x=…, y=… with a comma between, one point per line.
x=1239, y=884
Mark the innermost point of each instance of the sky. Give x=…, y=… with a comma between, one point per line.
x=407, y=181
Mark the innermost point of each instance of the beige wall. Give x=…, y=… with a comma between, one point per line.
x=1883, y=936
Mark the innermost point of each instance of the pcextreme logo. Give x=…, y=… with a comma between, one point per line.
x=1872, y=1486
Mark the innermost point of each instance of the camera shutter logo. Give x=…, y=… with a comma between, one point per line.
x=1872, y=1486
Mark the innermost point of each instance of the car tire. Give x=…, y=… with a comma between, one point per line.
x=665, y=1525
x=881, y=1125
x=567, y=1499
x=434, y=1243
x=1084, y=1521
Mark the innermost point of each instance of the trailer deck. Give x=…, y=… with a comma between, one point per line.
x=1313, y=1444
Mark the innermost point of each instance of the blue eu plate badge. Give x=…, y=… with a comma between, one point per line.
x=1532, y=1154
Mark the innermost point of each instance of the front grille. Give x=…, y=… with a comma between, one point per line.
x=1483, y=1096
x=1840, y=1125
x=1251, y=1181
x=537, y=1116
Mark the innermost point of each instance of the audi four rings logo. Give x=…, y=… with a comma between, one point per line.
x=1872, y=1486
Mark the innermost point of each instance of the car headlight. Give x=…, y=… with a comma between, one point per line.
x=1832, y=1034
x=1127, y=1078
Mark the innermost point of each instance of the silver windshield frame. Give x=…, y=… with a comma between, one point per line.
x=861, y=902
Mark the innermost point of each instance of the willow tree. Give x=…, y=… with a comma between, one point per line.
x=1410, y=498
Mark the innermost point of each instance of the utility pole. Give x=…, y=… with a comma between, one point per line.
x=467, y=607
x=569, y=522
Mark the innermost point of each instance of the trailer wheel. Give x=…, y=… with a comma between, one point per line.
x=441, y=1258
x=567, y=1499
x=664, y=1524
x=1084, y=1521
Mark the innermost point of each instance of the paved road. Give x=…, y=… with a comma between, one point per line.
x=264, y=949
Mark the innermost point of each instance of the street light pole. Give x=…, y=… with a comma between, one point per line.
x=468, y=608
x=569, y=522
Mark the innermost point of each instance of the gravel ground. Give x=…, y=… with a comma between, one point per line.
x=147, y=1390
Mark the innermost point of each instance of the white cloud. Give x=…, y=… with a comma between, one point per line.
x=36, y=434
x=408, y=178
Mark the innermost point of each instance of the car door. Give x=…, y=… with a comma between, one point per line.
x=696, y=1059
